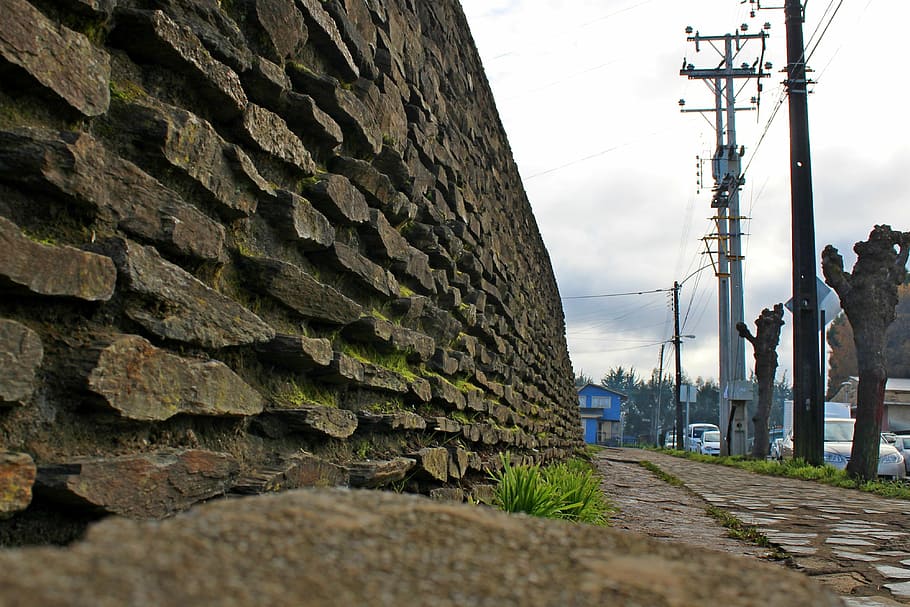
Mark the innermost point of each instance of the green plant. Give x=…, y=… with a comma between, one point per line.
x=461, y=417
x=378, y=315
x=45, y=240
x=362, y=448
x=297, y=393
x=524, y=489
x=391, y=405
x=396, y=362
x=126, y=91
x=579, y=487
x=465, y=386
x=568, y=491
x=667, y=478
x=739, y=530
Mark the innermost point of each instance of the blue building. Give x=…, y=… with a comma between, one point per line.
x=600, y=414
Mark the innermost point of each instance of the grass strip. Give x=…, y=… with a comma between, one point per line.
x=799, y=469
x=664, y=476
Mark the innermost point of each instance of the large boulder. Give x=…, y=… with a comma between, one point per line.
x=343, y=547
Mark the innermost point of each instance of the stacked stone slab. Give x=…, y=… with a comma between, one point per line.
x=262, y=244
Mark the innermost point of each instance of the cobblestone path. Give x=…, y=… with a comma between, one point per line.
x=857, y=543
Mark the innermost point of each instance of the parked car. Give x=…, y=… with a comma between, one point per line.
x=710, y=442
x=774, y=435
x=775, y=448
x=839, y=444
x=693, y=435
x=902, y=444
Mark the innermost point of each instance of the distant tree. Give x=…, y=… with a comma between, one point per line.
x=842, y=360
x=764, y=344
x=582, y=380
x=897, y=339
x=706, y=408
x=620, y=379
x=636, y=409
x=868, y=296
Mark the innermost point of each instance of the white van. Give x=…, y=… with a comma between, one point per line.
x=694, y=433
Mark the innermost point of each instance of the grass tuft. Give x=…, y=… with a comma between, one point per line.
x=568, y=491
x=299, y=393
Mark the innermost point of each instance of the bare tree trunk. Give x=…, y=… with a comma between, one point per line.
x=764, y=346
x=868, y=297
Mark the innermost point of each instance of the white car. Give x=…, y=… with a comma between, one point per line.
x=839, y=444
x=902, y=444
x=710, y=443
x=693, y=435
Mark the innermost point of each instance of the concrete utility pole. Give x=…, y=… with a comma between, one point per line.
x=727, y=173
x=808, y=401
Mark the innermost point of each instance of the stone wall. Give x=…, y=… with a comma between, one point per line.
x=252, y=245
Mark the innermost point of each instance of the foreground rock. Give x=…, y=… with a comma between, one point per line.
x=336, y=547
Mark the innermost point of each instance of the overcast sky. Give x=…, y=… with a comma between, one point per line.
x=587, y=91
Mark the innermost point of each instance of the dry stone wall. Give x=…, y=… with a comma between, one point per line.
x=252, y=245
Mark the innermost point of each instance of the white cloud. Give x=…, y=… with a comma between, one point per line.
x=587, y=90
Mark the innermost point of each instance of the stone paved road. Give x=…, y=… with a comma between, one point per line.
x=857, y=543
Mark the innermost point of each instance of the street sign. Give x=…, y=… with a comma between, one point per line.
x=828, y=306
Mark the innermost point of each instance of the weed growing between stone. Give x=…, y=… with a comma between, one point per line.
x=739, y=530
x=665, y=477
x=736, y=528
x=297, y=393
x=798, y=468
x=567, y=491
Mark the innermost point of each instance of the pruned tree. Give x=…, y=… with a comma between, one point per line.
x=764, y=346
x=868, y=296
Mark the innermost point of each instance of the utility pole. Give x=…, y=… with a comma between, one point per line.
x=655, y=418
x=808, y=407
x=727, y=173
x=676, y=341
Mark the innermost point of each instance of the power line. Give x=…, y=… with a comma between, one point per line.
x=554, y=83
x=596, y=154
x=616, y=294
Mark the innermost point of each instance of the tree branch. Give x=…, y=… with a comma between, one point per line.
x=744, y=332
x=833, y=270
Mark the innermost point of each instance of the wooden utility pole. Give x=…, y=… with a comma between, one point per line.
x=808, y=404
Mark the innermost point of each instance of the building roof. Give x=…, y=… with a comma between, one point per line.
x=898, y=384
x=895, y=384
x=604, y=388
